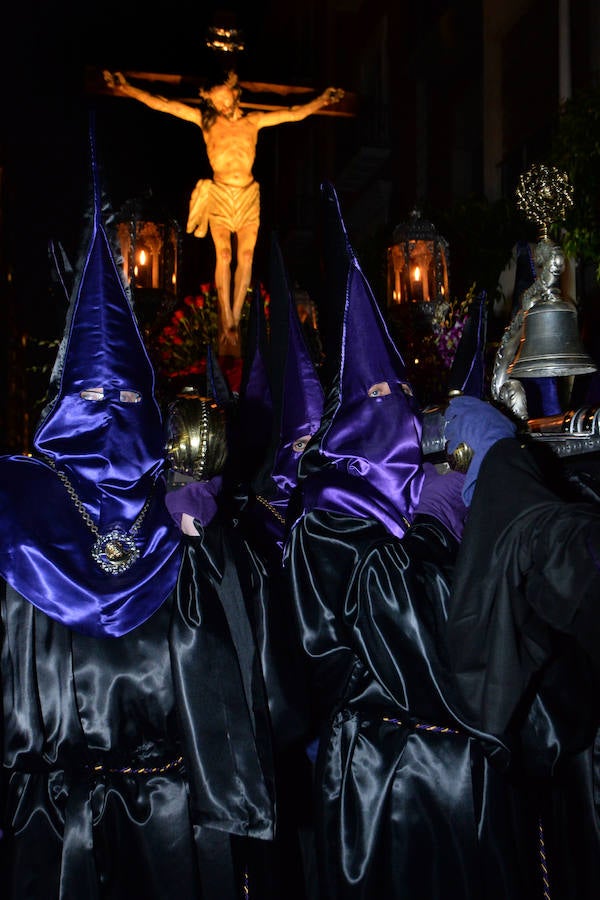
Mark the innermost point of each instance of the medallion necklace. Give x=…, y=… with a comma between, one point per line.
x=115, y=551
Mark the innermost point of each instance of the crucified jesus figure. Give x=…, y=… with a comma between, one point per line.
x=229, y=203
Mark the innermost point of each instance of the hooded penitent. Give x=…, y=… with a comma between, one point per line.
x=296, y=404
x=85, y=535
x=366, y=458
x=296, y=390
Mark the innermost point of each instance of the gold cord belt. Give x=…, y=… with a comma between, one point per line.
x=141, y=770
x=421, y=726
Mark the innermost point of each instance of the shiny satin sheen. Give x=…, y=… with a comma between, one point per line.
x=45, y=554
x=79, y=714
x=112, y=453
x=404, y=812
x=107, y=447
x=369, y=456
x=369, y=460
x=524, y=639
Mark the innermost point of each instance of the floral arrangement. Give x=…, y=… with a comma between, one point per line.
x=448, y=325
x=179, y=349
x=181, y=345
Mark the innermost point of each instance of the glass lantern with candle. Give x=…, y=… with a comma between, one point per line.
x=418, y=263
x=150, y=242
x=417, y=294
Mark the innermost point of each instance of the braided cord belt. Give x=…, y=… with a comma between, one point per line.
x=142, y=770
x=421, y=726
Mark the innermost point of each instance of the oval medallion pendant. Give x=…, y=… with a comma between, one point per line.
x=115, y=552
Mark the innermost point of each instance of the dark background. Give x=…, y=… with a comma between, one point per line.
x=454, y=100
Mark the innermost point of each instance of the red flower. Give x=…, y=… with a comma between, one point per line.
x=181, y=345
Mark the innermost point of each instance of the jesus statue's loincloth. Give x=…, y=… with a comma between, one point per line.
x=225, y=205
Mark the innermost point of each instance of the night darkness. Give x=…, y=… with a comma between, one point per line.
x=47, y=113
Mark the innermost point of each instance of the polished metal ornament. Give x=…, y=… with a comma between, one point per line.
x=550, y=344
x=433, y=440
x=543, y=338
x=196, y=437
x=460, y=458
x=544, y=194
x=115, y=552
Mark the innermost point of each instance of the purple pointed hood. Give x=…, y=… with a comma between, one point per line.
x=366, y=458
x=101, y=443
x=254, y=416
x=217, y=386
x=297, y=392
x=111, y=449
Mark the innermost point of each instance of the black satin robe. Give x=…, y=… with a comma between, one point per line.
x=287, y=862
x=181, y=700
x=524, y=640
x=408, y=805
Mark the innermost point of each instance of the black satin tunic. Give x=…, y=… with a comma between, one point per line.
x=408, y=805
x=135, y=767
x=524, y=640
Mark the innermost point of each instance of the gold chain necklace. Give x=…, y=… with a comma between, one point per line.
x=115, y=551
x=271, y=508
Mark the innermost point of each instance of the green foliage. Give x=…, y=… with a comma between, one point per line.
x=576, y=150
x=481, y=236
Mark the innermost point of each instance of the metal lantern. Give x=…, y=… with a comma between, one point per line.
x=150, y=246
x=418, y=262
x=150, y=243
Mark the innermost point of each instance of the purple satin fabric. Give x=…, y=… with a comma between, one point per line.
x=45, y=554
x=302, y=400
x=197, y=499
x=542, y=397
x=112, y=453
x=384, y=463
x=369, y=458
x=285, y=468
x=441, y=497
x=255, y=408
x=467, y=373
x=107, y=442
x=269, y=518
x=339, y=492
x=297, y=393
x=99, y=445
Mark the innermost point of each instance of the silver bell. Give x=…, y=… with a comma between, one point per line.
x=550, y=343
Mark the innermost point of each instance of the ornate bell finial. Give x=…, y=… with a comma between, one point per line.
x=544, y=194
x=550, y=344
